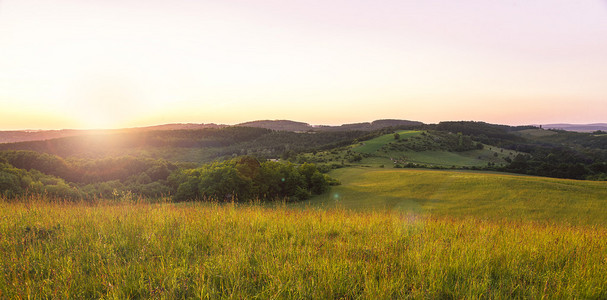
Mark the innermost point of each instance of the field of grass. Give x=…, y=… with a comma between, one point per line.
x=535, y=133
x=459, y=193
x=130, y=250
x=371, y=146
x=445, y=159
x=478, y=158
x=378, y=155
x=378, y=152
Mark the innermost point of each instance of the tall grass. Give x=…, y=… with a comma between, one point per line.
x=138, y=250
x=479, y=194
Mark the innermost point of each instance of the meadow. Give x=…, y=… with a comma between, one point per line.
x=373, y=145
x=458, y=193
x=55, y=249
x=420, y=148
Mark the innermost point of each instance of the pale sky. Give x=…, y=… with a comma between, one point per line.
x=125, y=63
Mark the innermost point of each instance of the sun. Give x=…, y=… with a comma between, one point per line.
x=91, y=120
x=105, y=101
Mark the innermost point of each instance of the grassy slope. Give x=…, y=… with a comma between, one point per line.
x=376, y=156
x=471, y=158
x=534, y=133
x=371, y=146
x=457, y=193
x=74, y=251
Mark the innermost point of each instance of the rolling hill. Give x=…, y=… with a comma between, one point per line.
x=13, y=136
x=448, y=145
x=468, y=193
x=300, y=126
x=416, y=148
x=577, y=127
x=283, y=125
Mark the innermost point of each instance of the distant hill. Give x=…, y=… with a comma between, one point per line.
x=15, y=136
x=280, y=125
x=283, y=125
x=375, y=125
x=36, y=135
x=577, y=127
x=286, y=125
x=180, y=126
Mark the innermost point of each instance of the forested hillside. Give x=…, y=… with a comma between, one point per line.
x=14, y=136
x=179, y=145
x=552, y=153
x=157, y=163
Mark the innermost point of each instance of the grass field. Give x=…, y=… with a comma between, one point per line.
x=378, y=152
x=459, y=193
x=382, y=234
x=441, y=158
x=80, y=250
x=478, y=158
x=371, y=146
x=536, y=132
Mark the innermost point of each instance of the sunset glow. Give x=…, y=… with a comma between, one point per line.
x=111, y=64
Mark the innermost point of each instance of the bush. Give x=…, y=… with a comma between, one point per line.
x=245, y=178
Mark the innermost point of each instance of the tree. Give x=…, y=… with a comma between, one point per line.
x=244, y=178
x=9, y=184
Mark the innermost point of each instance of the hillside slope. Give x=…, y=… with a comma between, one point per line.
x=414, y=148
x=461, y=193
x=288, y=125
x=15, y=136
x=285, y=125
x=578, y=127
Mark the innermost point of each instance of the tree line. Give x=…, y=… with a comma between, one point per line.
x=560, y=154
x=242, y=178
x=245, y=178
x=199, y=146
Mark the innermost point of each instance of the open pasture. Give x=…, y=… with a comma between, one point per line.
x=130, y=250
x=468, y=193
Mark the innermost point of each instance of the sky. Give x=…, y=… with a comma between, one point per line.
x=86, y=64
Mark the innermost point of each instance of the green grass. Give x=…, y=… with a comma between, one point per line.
x=406, y=233
x=379, y=152
x=478, y=194
x=444, y=159
x=380, y=156
x=477, y=158
x=75, y=251
x=533, y=133
x=371, y=146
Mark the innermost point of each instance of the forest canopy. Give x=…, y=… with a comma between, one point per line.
x=238, y=179
x=245, y=178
